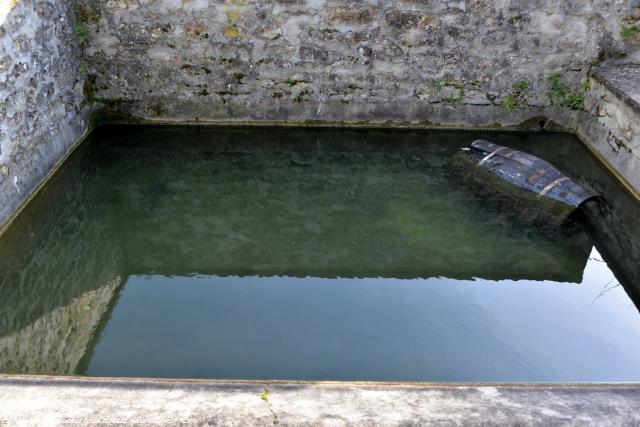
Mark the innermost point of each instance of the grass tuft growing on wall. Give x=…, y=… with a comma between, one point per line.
x=517, y=99
x=629, y=31
x=81, y=31
x=562, y=95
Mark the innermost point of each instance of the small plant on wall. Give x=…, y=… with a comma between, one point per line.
x=453, y=92
x=630, y=31
x=518, y=98
x=562, y=95
x=81, y=31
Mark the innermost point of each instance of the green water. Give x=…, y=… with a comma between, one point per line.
x=312, y=254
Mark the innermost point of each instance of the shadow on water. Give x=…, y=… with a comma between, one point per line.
x=315, y=208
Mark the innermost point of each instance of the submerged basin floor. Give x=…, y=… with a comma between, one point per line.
x=304, y=254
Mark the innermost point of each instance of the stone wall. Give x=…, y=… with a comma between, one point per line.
x=340, y=60
x=610, y=126
x=615, y=100
x=450, y=63
x=40, y=94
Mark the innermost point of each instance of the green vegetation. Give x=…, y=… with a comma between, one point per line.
x=439, y=85
x=81, y=31
x=459, y=87
x=265, y=394
x=83, y=68
x=630, y=31
x=521, y=86
x=517, y=99
x=562, y=95
x=459, y=99
x=510, y=102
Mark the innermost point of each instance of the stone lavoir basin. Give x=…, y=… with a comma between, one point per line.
x=309, y=254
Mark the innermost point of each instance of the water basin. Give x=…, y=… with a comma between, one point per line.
x=313, y=254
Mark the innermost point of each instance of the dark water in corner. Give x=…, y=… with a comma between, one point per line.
x=312, y=254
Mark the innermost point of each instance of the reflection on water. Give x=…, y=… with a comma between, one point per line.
x=299, y=254
x=386, y=329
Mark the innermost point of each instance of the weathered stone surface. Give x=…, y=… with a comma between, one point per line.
x=270, y=56
x=623, y=80
x=53, y=401
x=40, y=94
x=423, y=63
x=614, y=102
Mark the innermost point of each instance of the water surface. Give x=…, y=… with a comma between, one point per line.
x=312, y=254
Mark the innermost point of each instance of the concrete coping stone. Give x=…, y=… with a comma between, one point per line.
x=623, y=80
x=40, y=400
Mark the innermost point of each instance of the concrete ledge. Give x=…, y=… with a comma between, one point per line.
x=613, y=126
x=56, y=400
x=623, y=80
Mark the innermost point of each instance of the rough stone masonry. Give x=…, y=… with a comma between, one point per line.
x=364, y=60
x=40, y=94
